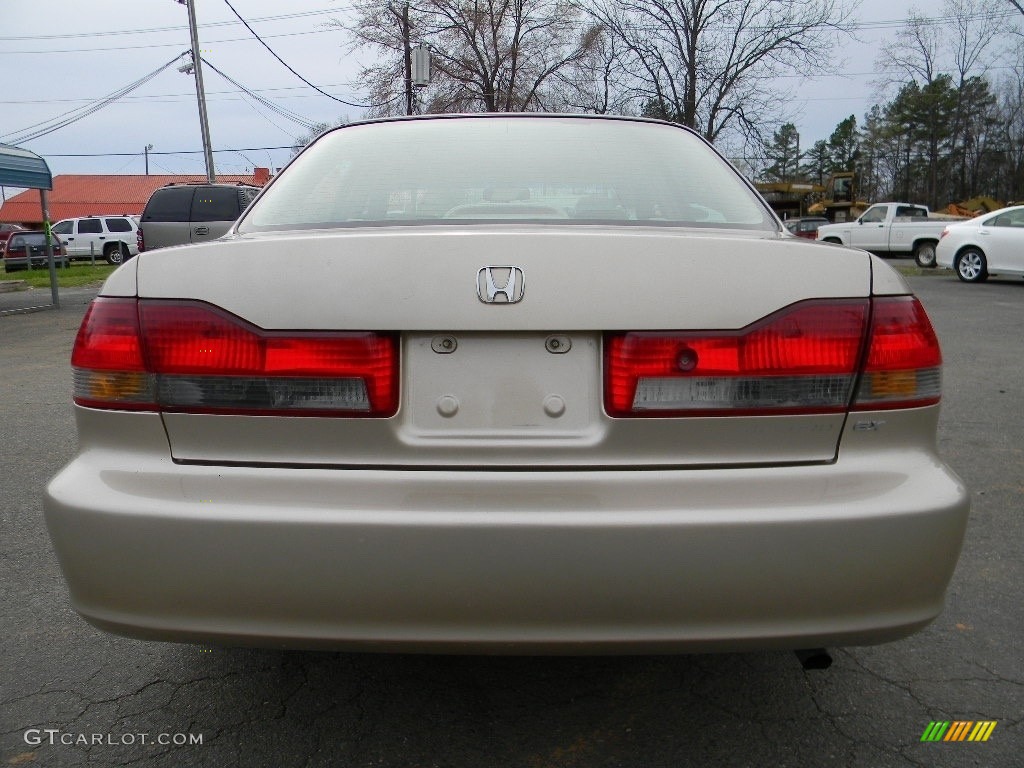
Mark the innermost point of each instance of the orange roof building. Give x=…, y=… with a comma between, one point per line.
x=92, y=194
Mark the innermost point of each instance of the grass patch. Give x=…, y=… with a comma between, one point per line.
x=77, y=274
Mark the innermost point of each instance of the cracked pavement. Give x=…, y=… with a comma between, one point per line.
x=258, y=707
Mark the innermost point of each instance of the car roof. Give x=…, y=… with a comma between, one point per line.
x=231, y=184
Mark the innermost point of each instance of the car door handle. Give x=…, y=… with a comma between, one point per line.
x=202, y=230
x=102, y=237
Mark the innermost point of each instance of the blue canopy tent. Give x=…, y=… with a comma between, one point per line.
x=22, y=168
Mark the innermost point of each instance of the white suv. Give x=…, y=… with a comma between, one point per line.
x=108, y=237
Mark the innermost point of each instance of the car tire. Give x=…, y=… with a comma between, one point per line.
x=924, y=254
x=971, y=266
x=115, y=253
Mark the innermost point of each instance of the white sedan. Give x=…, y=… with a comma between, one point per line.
x=990, y=244
x=508, y=384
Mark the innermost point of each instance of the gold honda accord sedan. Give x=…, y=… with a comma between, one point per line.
x=508, y=384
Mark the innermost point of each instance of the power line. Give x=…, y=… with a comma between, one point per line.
x=182, y=95
x=289, y=68
x=176, y=27
x=285, y=113
x=46, y=127
x=859, y=25
x=147, y=46
x=151, y=152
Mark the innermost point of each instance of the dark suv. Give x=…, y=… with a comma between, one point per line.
x=191, y=213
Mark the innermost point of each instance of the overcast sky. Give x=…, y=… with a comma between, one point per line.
x=60, y=55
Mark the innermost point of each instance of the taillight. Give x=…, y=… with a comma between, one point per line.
x=904, y=362
x=188, y=356
x=804, y=359
x=801, y=360
x=945, y=231
x=140, y=240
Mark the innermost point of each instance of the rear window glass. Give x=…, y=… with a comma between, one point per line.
x=118, y=225
x=33, y=239
x=89, y=227
x=169, y=204
x=553, y=170
x=216, y=204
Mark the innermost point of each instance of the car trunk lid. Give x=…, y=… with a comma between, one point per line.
x=506, y=383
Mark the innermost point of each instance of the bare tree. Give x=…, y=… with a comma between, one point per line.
x=596, y=83
x=1011, y=131
x=923, y=49
x=486, y=55
x=913, y=55
x=712, y=64
x=926, y=53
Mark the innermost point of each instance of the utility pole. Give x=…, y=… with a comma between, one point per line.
x=147, y=148
x=403, y=17
x=204, y=122
x=796, y=172
x=408, y=59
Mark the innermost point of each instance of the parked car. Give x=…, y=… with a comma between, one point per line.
x=31, y=244
x=112, y=238
x=6, y=230
x=179, y=214
x=429, y=394
x=990, y=244
x=890, y=229
x=805, y=226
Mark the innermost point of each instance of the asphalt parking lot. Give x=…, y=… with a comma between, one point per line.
x=73, y=696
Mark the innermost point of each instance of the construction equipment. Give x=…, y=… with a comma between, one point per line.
x=789, y=199
x=839, y=202
x=975, y=206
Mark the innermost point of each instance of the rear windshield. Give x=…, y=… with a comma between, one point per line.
x=33, y=239
x=553, y=170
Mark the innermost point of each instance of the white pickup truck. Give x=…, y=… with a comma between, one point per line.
x=890, y=229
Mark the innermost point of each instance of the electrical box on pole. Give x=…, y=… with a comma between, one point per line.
x=421, y=66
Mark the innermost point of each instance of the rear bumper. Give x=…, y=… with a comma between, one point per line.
x=525, y=561
x=14, y=263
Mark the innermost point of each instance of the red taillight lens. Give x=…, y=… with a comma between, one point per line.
x=198, y=358
x=108, y=360
x=800, y=360
x=109, y=337
x=140, y=240
x=804, y=359
x=903, y=367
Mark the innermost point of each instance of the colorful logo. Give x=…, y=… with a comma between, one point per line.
x=958, y=730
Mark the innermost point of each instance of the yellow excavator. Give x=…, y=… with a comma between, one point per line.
x=839, y=202
x=788, y=199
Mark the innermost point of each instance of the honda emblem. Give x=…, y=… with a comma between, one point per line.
x=500, y=285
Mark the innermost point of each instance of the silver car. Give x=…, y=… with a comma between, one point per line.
x=179, y=214
x=528, y=384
